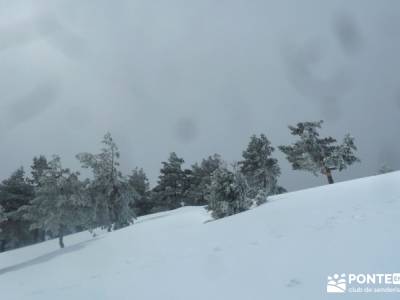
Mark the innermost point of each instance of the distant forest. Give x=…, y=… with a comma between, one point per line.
x=52, y=201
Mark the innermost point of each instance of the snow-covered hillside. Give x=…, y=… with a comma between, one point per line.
x=284, y=249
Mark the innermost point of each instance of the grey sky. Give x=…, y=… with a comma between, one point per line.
x=196, y=77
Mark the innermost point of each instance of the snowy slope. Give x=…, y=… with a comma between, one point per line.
x=284, y=249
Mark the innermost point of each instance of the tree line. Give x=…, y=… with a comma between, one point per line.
x=53, y=201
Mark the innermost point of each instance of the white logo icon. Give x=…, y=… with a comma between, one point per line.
x=336, y=284
x=396, y=278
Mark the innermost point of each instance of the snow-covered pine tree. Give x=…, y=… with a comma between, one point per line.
x=60, y=204
x=188, y=184
x=38, y=168
x=227, y=193
x=123, y=198
x=241, y=186
x=112, y=197
x=259, y=167
x=15, y=192
x=200, y=178
x=319, y=155
x=170, y=191
x=261, y=197
x=140, y=183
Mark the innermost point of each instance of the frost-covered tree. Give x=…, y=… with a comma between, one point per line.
x=60, y=204
x=15, y=192
x=123, y=198
x=259, y=167
x=199, y=178
x=261, y=197
x=170, y=191
x=140, y=183
x=319, y=155
x=111, y=195
x=38, y=168
x=227, y=193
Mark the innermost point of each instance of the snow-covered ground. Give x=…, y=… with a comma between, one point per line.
x=284, y=249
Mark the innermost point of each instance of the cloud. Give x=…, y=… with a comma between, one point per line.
x=29, y=106
x=195, y=77
x=42, y=27
x=303, y=72
x=348, y=33
x=186, y=130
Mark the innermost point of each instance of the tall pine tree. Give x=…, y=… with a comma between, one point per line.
x=111, y=195
x=15, y=192
x=199, y=178
x=140, y=183
x=319, y=155
x=60, y=204
x=170, y=191
x=259, y=167
x=38, y=168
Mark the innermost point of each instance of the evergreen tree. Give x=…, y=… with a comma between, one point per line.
x=319, y=155
x=170, y=191
x=15, y=192
x=111, y=195
x=199, y=178
x=38, y=168
x=60, y=204
x=188, y=184
x=140, y=183
x=261, y=197
x=261, y=170
x=123, y=198
x=227, y=193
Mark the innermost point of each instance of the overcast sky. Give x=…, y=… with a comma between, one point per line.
x=197, y=77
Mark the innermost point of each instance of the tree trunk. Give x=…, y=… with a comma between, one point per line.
x=328, y=174
x=61, y=236
x=61, y=241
